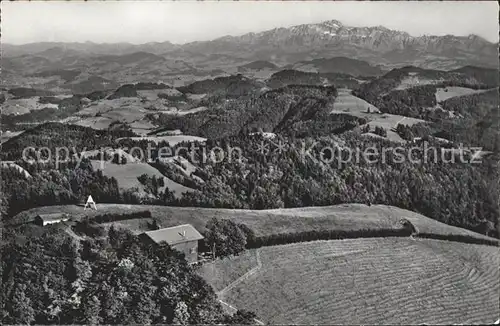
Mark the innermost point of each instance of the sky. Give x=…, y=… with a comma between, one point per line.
x=182, y=21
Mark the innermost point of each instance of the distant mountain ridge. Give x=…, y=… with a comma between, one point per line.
x=377, y=45
x=374, y=44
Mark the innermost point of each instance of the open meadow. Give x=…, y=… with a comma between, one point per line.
x=345, y=217
x=5, y=136
x=364, y=281
x=442, y=94
x=127, y=175
x=17, y=106
x=353, y=105
x=389, y=122
x=346, y=103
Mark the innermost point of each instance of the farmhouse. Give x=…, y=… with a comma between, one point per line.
x=45, y=219
x=183, y=238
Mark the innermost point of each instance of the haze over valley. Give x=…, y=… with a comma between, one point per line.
x=304, y=170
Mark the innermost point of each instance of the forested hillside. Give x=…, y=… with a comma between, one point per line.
x=272, y=110
x=313, y=173
x=292, y=179
x=299, y=115
x=53, y=276
x=51, y=135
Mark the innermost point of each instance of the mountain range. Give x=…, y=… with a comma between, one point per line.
x=377, y=45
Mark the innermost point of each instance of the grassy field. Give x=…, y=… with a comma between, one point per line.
x=365, y=281
x=92, y=122
x=127, y=174
x=142, y=127
x=266, y=222
x=110, y=152
x=442, y=94
x=414, y=79
x=101, y=114
x=175, y=111
x=389, y=123
x=5, y=136
x=346, y=103
x=350, y=104
x=125, y=109
x=222, y=272
x=24, y=105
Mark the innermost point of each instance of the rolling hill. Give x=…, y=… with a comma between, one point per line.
x=299, y=77
x=345, y=217
x=392, y=280
x=302, y=45
x=341, y=65
x=414, y=92
x=233, y=86
x=363, y=281
x=258, y=65
x=312, y=140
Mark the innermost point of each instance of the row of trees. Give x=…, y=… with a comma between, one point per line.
x=225, y=238
x=378, y=130
x=152, y=184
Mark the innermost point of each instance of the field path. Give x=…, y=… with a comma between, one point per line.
x=242, y=278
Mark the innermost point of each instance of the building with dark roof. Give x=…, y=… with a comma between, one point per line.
x=183, y=238
x=45, y=219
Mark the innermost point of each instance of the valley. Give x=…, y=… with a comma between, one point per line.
x=318, y=173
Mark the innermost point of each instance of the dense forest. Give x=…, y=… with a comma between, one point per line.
x=272, y=180
x=231, y=86
x=296, y=77
x=54, y=276
x=288, y=180
x=69, y=184
x=52, y=135
x=295, y=109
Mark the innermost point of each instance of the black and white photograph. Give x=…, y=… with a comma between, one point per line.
x=250, y=163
